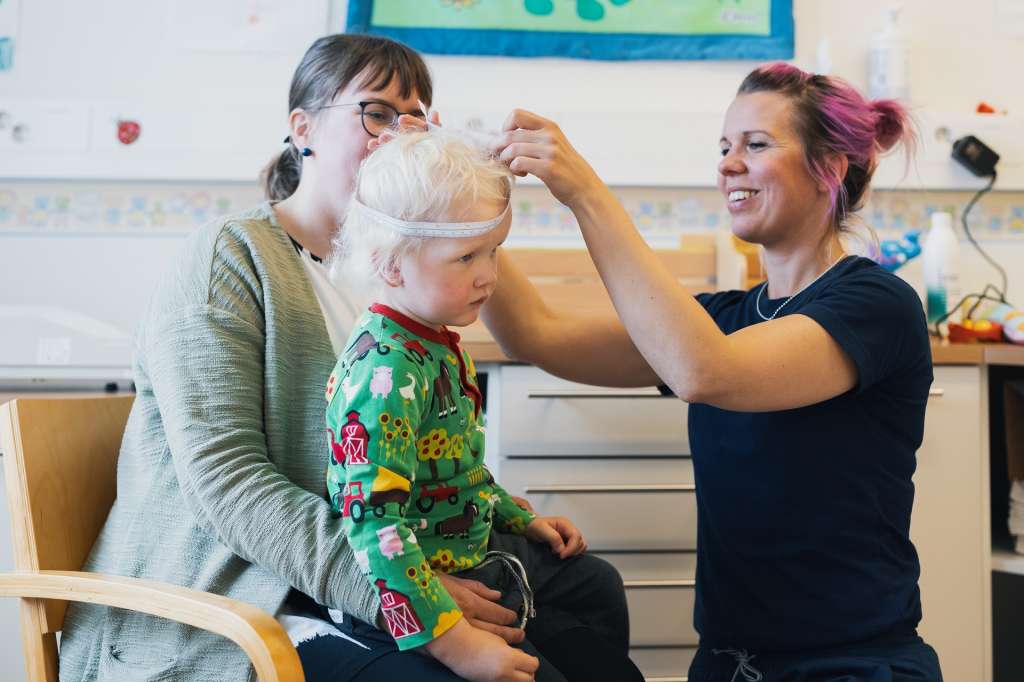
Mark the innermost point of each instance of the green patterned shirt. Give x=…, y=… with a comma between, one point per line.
x=406, y=470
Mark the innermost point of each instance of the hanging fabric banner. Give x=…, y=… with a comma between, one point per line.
x=584, y=29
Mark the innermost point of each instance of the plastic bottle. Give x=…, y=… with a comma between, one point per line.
x=887, y=60
x=941, y=261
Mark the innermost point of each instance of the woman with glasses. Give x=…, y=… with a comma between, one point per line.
x=807, y=393
x=221, y=472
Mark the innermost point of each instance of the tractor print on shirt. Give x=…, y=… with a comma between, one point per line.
x=350, y=501
x=429, y=496
x=417, y=352
x=363, y=344
x=389, y=487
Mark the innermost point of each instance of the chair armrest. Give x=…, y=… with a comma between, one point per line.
x=261, y=637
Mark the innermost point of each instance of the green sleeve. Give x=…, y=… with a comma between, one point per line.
x=373, y=423
x=512, y=517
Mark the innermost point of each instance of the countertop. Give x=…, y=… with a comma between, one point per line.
x=482, y=346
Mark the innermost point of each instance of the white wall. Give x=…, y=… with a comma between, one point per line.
x=957, y=58
x=220, y=115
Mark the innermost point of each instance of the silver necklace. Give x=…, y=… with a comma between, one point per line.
x=757, y=303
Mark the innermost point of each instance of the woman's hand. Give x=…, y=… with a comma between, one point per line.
x=560, y=533
x=405, y=123
x=532, y=144
x=479, y=656
x=478, y=604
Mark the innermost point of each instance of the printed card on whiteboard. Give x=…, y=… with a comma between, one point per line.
x=8, y=32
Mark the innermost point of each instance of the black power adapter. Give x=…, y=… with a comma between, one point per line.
x=975, y=156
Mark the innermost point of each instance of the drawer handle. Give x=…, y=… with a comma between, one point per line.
x=568, y=395
x=648, y=584
x=612, y=488
x=936, y=392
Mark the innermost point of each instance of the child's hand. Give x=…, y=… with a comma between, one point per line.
x=522, y=503
x=560, y=533
x=479, y=656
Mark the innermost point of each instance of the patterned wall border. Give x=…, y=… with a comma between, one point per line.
x=660, y=213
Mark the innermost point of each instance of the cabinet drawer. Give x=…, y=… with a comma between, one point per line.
x=661, y=613
x=663, y=664
x=543, y=415
x=516, y=475
x=652, y=565
x=624, y=516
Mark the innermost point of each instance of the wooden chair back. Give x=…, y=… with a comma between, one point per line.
x=60, y=466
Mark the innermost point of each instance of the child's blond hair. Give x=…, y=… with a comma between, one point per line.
x=418, y=176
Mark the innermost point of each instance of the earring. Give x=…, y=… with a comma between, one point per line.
x=306, y=151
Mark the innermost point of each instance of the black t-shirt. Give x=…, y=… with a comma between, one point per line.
x=804, y=515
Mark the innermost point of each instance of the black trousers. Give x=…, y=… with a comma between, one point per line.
x=905, y=658
x=580, y=631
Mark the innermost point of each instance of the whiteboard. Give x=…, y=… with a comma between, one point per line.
x=206, y=81
x=70, y=305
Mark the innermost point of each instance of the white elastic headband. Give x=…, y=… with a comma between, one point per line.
x=413, y=228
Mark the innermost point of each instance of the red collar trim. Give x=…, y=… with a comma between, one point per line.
x=445, y=337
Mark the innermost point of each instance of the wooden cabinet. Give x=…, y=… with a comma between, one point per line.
x=950, y=523
x=617, y=462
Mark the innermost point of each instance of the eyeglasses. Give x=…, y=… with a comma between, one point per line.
x=378, y=116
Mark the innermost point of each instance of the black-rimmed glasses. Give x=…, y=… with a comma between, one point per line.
x=378, y=116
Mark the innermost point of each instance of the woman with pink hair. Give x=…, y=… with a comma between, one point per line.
x=807, y=393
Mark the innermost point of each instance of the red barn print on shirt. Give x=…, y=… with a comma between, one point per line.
x=402, y=621
x=354, y=440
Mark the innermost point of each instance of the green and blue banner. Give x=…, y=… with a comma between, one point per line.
x=584, y=29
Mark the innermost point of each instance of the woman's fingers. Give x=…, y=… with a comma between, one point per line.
x=509, y=634
x=534, y=150
x=523, y=166
x=505, y=139
x=476, y=587
x=527, y=663
x=477, y=600
x=521, y=118
x=491, y=612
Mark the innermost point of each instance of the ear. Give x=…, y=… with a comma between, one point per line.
x=838, y=164
x=390, y=270
x=301, y=124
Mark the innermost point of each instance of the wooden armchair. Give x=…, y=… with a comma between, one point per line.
x=60, y=462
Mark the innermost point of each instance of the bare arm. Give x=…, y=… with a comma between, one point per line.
x=585, y=348
x=777, y=365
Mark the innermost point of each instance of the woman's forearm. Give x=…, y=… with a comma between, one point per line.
x=676, y=336
x=592, y=349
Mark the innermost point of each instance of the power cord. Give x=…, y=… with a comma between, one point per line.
x=999, y=292
x=967, y=230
